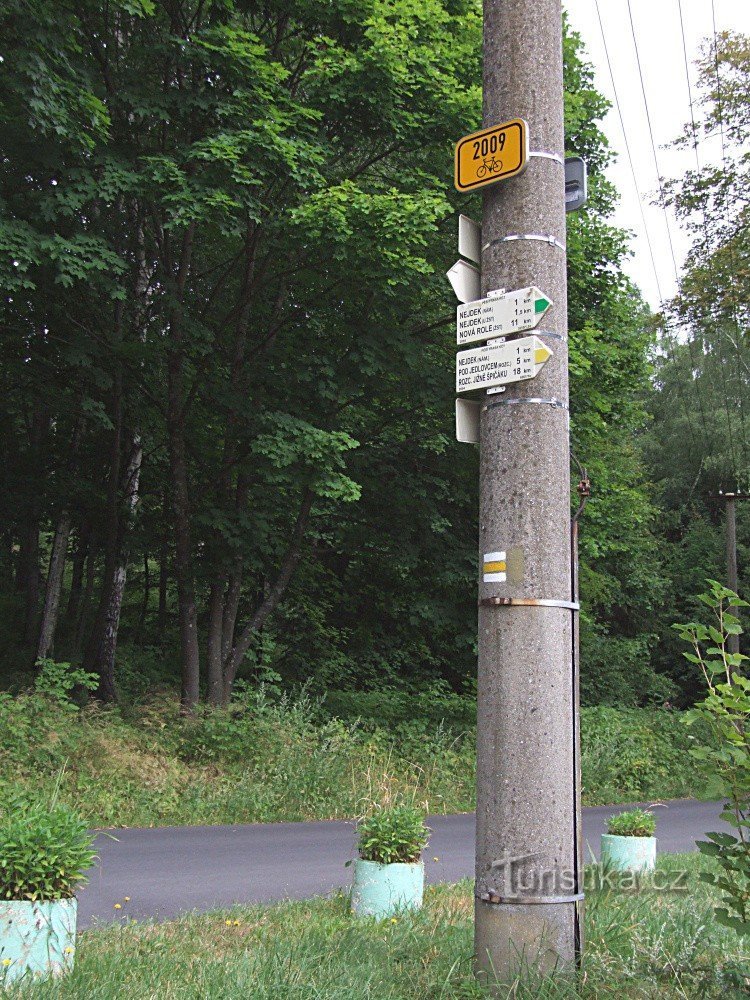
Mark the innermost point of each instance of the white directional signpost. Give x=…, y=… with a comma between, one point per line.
x=465, y=281
x=501, y=315
x=500, y=364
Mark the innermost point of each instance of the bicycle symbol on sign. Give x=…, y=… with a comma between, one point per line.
x=489, y=166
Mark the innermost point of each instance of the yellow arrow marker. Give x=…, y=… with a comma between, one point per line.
x=541, y=354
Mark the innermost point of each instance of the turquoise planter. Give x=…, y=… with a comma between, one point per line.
x=383, y=890
x=628, y=854
x=38, y=939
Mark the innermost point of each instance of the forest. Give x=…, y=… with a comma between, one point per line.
x=226, y=359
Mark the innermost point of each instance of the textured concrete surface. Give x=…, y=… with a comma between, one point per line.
x=527, y=800
x=170, y=870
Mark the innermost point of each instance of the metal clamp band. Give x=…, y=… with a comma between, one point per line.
x=546, y=333
x=539, y=237
x=556, y=403
x=497, y=900
x=528, y=602
x=508, y=337
x=550, y=156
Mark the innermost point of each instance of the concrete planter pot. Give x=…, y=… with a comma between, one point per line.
x=37, y=940
x=628, y=854
x=383, y=890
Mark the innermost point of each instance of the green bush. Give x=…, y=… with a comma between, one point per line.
x=725, y=712
x=58, y=681
x=44, y=851
x=395, y=834
x=633, y=823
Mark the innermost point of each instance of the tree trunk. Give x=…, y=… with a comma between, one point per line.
x=163, y=582
x=88, y=591
x=214, y=672
x=58, y=555
x=176, y=430
x=76, y=582
x=271, y=600
x=107, y=687
x=231, y=607
x=186, y=606
x=92, y=658
x=30, y=545
x=54, y=587
x=146, y=592
x=31, y=579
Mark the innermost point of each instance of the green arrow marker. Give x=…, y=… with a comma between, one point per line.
x=541, y=304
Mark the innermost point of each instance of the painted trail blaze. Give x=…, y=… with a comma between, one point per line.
x=491, y=155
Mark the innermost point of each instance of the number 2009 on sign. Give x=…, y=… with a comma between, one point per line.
x=491, y=155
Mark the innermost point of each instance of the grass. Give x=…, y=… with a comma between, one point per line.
x=644, y=945
x=275, y=758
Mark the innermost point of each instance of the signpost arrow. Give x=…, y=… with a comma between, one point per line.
x=464, y=279
x=500, y=364
x=500, y=315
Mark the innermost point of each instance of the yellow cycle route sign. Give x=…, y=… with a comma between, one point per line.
x=493, y=154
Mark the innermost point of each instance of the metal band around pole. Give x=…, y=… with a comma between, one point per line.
x=497, y=900
x=527, y=400
x=528, y=602
x=549, y=156
x=539, y=237
x=549, y=333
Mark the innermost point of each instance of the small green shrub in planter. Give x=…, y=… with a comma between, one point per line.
x=389, y=873
x=633, y=823
x=629, y=843
x=44, y=853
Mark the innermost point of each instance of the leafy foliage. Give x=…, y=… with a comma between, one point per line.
x=395, y=834
x=633, y=823
x=57, y=681
x=45, y=850
x=725, y=711
x=191, y=196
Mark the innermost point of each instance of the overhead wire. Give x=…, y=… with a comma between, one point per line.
x=647, y=234
x=738, y=332
x=663, y=204
x=662, y=201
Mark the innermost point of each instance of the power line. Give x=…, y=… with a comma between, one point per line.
x=670, y=348
x=690, y=91
x=662, y=199
x=629, y=154
x=718, y=86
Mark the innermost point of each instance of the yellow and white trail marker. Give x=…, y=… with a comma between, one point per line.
x=494, y=567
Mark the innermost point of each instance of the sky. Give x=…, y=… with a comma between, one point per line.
x=659, y=39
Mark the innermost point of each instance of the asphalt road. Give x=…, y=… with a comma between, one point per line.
x=168, y=870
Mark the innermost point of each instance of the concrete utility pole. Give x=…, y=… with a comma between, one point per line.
x=528, y=911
